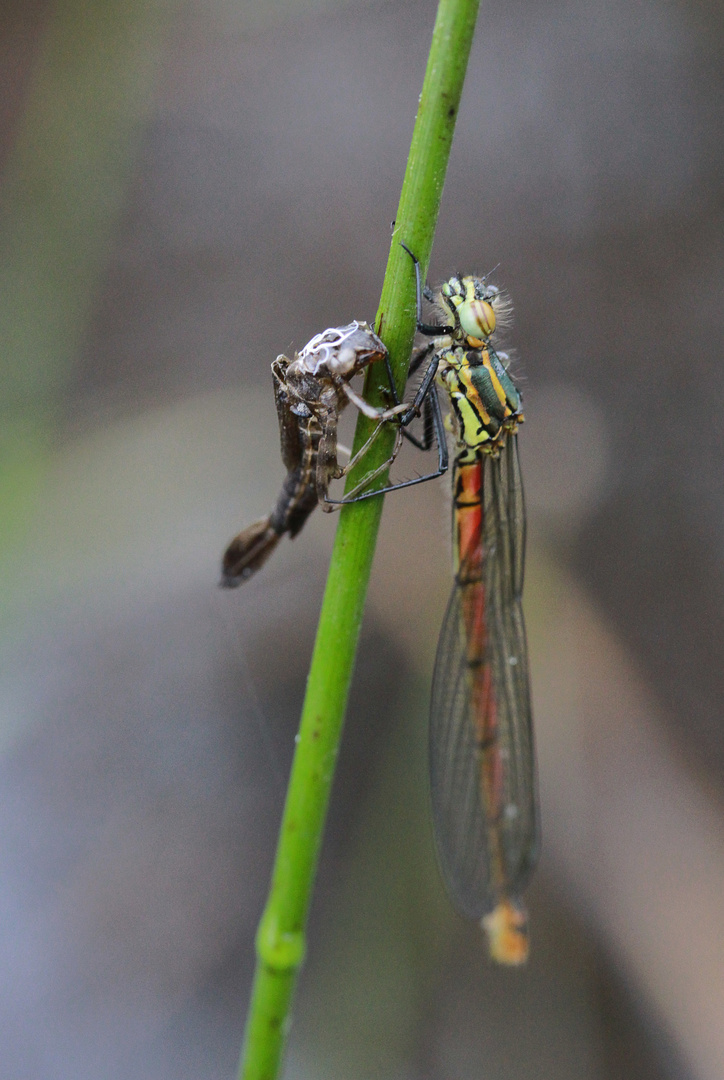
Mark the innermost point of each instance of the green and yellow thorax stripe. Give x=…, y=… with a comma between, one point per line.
x=485, y=402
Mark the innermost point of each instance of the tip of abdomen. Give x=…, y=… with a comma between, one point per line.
x=506, y=927
x=247, y=553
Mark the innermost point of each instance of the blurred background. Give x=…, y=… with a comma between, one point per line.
x=189, y=189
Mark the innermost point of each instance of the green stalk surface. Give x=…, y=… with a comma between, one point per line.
x=280, y=942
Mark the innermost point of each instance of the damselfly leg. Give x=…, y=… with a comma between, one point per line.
x=426, y=403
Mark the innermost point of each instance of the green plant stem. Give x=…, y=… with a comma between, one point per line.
x=280, y=940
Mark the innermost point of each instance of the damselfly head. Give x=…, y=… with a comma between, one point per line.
x=475, y=307
x=341, y=350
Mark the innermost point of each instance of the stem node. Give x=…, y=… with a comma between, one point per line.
x=279, y=950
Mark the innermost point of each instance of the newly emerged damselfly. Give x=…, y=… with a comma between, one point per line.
x=482, y=756
x=310, y=392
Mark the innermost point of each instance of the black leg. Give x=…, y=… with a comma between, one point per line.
x=424, y=328
x=429, y=431
x=413, y=410
x=434, y=427
x=425, y=386
x=391, y=380
x=418, y=357
x=427, y=439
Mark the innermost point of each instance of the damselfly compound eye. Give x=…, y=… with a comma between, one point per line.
x=477, y=319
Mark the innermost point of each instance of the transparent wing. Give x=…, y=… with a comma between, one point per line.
x=482, y=761
x=504, y=548
x=459, y=819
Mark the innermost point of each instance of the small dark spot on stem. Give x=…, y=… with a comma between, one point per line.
x=451, y=111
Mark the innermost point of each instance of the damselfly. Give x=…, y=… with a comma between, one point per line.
x=310, y=392
x=482, y=758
